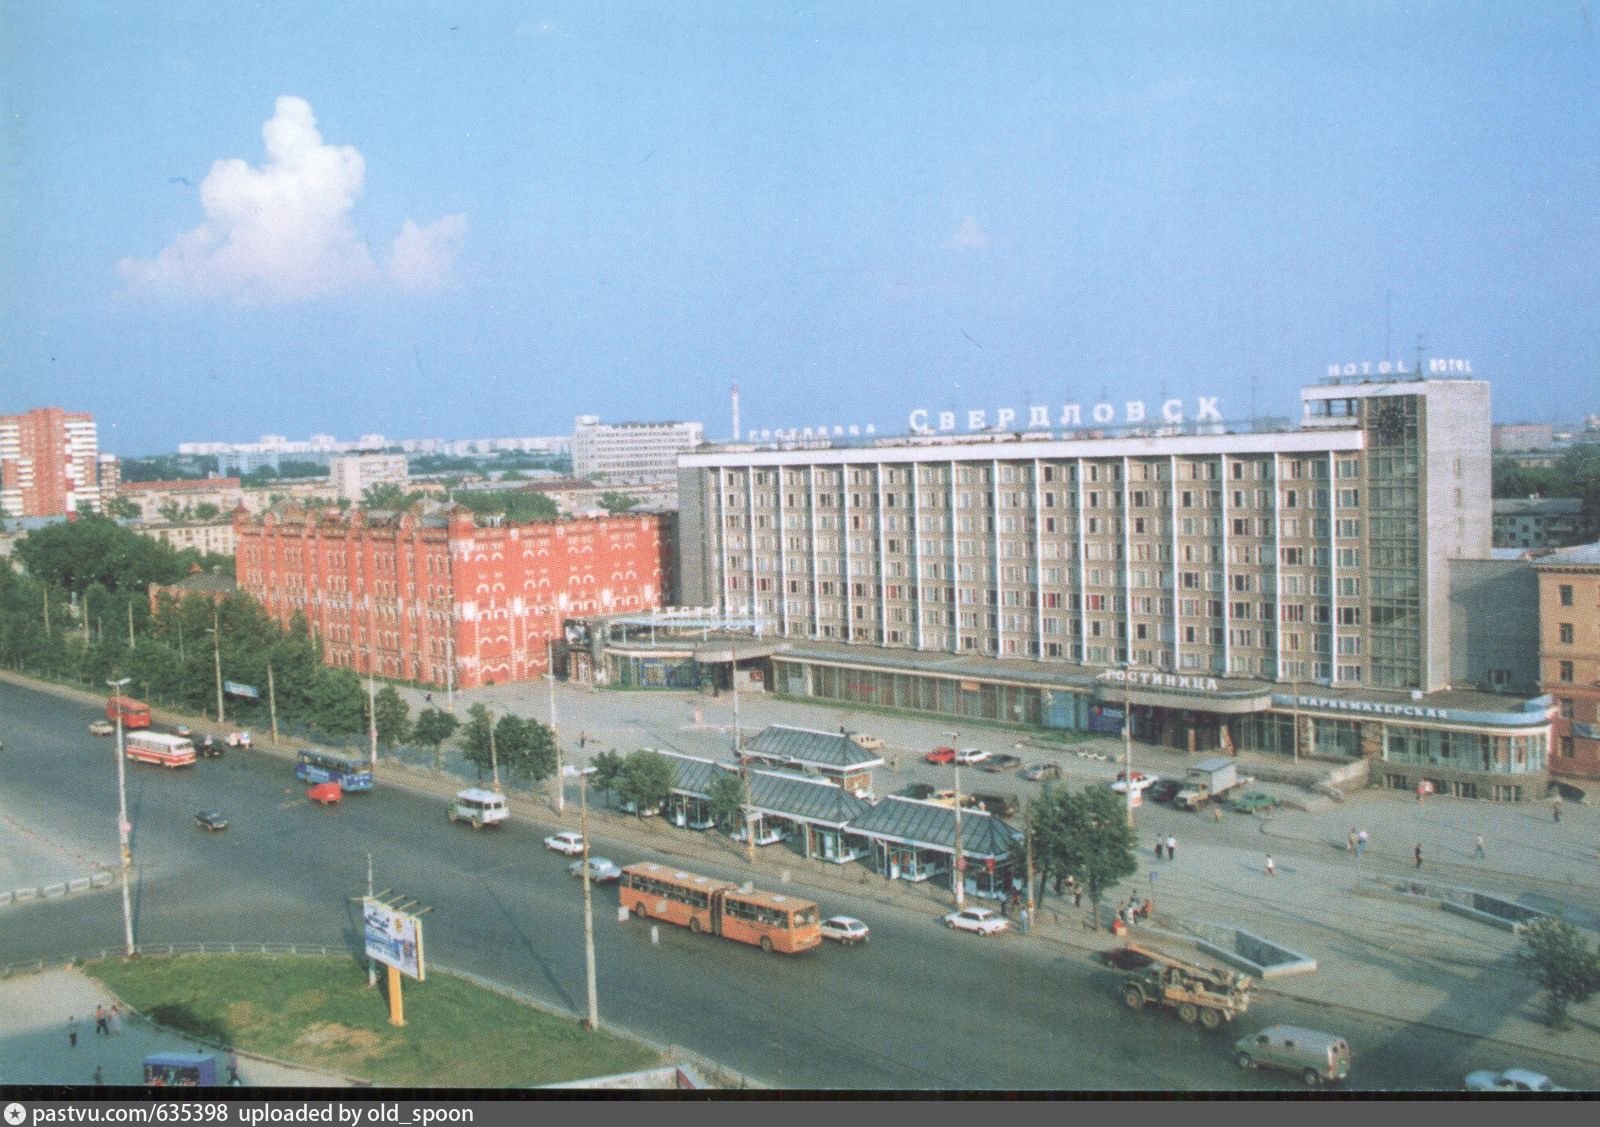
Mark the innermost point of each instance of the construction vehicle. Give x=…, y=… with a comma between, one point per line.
x=1209, y=995
x=1206, y=781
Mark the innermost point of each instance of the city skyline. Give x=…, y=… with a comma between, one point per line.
x=481, y=221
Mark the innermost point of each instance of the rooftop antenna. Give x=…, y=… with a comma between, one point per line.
x=1388, y=324
x=735, y=398
x=1421, y=348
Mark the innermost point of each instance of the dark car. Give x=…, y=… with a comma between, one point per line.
x=211, y=820
x=209, y=747
x=1000, y=805
x=918, y=791
x=997, y=763
x=1124, y=958
x=1039, y=772
x=1163, y=790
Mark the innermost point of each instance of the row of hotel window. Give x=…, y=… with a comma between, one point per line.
x=1028, y=594
x=1391, y=496
x=1291, y=528
x=828, y=561
x=1209, y=469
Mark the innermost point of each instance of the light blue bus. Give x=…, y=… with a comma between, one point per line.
x=326, y=767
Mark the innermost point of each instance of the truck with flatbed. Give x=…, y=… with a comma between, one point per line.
x=1209, y=995
x=1207, y=781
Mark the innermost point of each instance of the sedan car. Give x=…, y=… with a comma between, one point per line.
x=919, y=791
x=183, y=730
x=1511, y=1080
x=1253, y=801
x=565, y=842
x=326, y=793
x=968, y=756
x=1039, y=772
x=867, y=742
x=846, y=929
x=1125, y=958
x=102, y=728
x=1002, y=762
x=1141, y=781
x=211, y=820
x=941, y=755
x=601, y=870
x=983, y=921
x=208, y=747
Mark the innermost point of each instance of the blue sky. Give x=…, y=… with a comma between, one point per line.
x=485, y=218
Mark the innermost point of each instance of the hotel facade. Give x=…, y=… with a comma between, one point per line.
x=1284, y=591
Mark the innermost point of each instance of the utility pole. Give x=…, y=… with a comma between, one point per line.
x=216, y=654
x=372, y=717
x=272, y=706
x=1027, y=837
x=130, y=624
x=1127, y=739
x=372, y=964
x=122, y=823
x=738, y=757
x=494, y=766
x=450, y=665
x=550, y=674
x=1294, y=688
x=961, y=861
x=588, y=906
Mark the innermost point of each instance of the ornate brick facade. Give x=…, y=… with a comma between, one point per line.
x=407, y=594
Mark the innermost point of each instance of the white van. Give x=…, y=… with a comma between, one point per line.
x=1319, y=1058
x=480, y=807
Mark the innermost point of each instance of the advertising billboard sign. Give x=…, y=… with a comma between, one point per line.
x=393, y=938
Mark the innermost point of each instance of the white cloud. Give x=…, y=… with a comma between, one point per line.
x=282, y=232
x=969, y=236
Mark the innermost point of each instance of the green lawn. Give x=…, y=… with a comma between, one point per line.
x=320, y=1011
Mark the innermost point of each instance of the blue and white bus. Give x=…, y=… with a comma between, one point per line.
x=326, y=767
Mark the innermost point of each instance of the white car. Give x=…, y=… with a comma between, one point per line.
x=602, y=870
x=846, y=929
x=568, y=842
x=102, y=728
x=980, y=920
x=970, y=755
x=1511, y=1080
x=867, y=742
x=1141, y=781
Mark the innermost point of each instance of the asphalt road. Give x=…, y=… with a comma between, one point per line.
x=917, y=1008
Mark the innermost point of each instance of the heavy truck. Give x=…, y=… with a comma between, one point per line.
x=1206, y=781
x=1209, y=995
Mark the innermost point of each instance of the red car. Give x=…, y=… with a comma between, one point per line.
x=326, y=793
x=941, y=755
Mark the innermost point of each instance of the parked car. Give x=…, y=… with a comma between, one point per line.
x=1039, y=772
x=941, y=755
x=1319, y=1058
x=982, y=921
x=1253, y=801
x=183, y=730
x=846, y=929
x=208, y=747
x=1001, y=762
x=601, y=870
x=968, y=756
x=1125, y=958
x=102, y=728
x=919, y=791
x=211, y=820
x=1141, y=781
x=1163, y=790
x=867, y=742
x=326, y=793
x=1000, y=805
x=566, y=842
x=239, y=739
x=1510, y=1080
x=948, y=798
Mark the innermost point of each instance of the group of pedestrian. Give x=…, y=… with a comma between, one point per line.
x=107, y=1021
x=1168, y=846
x=1356, y=842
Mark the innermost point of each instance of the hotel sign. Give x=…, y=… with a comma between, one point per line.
x=1043, y=417
x=1439, y=367
x=1159, y=680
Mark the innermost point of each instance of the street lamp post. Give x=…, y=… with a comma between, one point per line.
x=122, y=823
x=1127, y=739
x=216, y=654
x=958, y=863
x=550, y=675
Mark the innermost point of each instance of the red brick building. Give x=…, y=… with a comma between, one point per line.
x=407, y=594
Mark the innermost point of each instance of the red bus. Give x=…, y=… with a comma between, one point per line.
x=134, y=713
x=770, y=920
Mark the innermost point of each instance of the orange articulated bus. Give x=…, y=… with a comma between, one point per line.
x=769, y=920
x=134, y=713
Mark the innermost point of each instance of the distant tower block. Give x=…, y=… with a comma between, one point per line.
x=736, y=411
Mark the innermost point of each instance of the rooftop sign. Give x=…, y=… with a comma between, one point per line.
x=1043, y=417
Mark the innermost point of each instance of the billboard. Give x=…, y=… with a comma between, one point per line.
x=393, y=938
x=1104, y=718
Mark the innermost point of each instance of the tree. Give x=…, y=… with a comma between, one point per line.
x=1085, y=836
x=727, y=800
x=617, y=503
x=646, y=780
x=523, y=749
x=433, y=727
x=388, y=495
x=1555, y=955
x=393, y=716
x=124, y=508
x=607, y=771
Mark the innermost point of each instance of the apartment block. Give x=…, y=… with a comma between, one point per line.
x=48, y=463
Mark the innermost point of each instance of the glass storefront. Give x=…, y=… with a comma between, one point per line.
x=1466, y=751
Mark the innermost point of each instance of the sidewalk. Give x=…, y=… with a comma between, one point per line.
x=35, y=1010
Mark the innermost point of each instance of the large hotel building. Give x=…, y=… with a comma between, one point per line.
x=1223, y=586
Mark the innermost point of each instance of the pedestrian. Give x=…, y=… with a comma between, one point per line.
x=428, y=697
x=100, y=1021
x=99, y=1077
x=583, y=739
x=1272, y=869
x=1478, y=844
x=1361, y=843
x=233, y=1068
x=1216, y=812
x=72, y=1032
x=1077, y=895
x=1416, y=853
x=1172, y=848
x=116, y=1017
x=1161, y=845
x=1350, y=841
x=1027, y=920
x=1555, y=808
